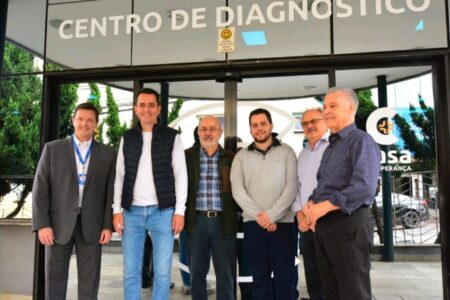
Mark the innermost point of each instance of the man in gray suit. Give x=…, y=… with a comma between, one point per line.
x=72, y=198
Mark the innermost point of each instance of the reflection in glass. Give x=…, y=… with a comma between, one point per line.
x=189, y=101
x=280, y=30
x=286, y=99
x=113, y=103
x=411, y=160
x=407, y=26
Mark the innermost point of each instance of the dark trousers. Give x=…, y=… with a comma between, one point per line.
x=57, y=261
x=343, y=244
x=244, y=266
x=312, y=275
x=296, y=244
x=208, y=236
x=267, y=252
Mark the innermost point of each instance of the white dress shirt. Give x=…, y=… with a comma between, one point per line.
x=83, y=147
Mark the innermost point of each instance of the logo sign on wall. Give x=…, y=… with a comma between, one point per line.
x=380, y=125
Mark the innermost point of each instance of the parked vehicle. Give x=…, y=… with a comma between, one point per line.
x=406, y=210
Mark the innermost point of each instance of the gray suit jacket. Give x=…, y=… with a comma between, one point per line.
x=55, y=191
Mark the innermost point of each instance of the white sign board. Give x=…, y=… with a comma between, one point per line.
x=225, y=40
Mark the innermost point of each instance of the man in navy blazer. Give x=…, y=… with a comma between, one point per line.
x=72, y=198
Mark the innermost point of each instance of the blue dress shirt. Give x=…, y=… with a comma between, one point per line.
x=349, y=170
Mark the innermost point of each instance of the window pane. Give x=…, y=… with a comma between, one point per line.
x=411, y=157
x=83, y=35
x=20, y=117
x=28, y=36
x=168, y=45
x=286, y=99
x=189, y=101
x=279, y=36
x=388, y=31
x=113, y=101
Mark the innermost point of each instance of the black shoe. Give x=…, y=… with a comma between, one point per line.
x=146, y=284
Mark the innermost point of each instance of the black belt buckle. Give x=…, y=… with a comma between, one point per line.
x=211, y=214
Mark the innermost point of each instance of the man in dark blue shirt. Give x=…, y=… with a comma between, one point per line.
x=338, y=211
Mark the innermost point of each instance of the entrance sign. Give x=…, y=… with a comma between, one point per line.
x=110, y=33
x=195, y=18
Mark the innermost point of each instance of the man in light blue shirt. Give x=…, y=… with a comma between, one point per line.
x=308, y=163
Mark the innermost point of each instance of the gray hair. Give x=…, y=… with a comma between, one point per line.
x=317, y=109
x=348, y=92
x=210, y=117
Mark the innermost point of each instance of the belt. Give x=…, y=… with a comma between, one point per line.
x=209, y=213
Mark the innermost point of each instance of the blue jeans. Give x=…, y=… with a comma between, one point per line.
x=138, y=220
x=208, y=236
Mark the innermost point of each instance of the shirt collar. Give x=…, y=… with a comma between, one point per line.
x=206, y=153
x=345, y=132
x=324, y=139
x=78, y=142
x=275, y=142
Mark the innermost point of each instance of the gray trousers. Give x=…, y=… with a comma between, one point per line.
x=57, y=261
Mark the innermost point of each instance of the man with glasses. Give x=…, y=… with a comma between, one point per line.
x=264, y=182
x=338, y=211
x=317, y=134
x=211, y=212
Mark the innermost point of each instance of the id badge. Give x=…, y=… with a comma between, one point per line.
x=82, y=179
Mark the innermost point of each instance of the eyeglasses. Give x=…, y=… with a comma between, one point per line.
x=313, y=122
x=205, y=130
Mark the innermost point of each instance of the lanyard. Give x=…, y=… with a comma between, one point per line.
x=77, y=151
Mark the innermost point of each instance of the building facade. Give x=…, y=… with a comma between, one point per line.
x=233, y=52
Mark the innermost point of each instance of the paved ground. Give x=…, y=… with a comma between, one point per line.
x=390, y=281
x=399, y=280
